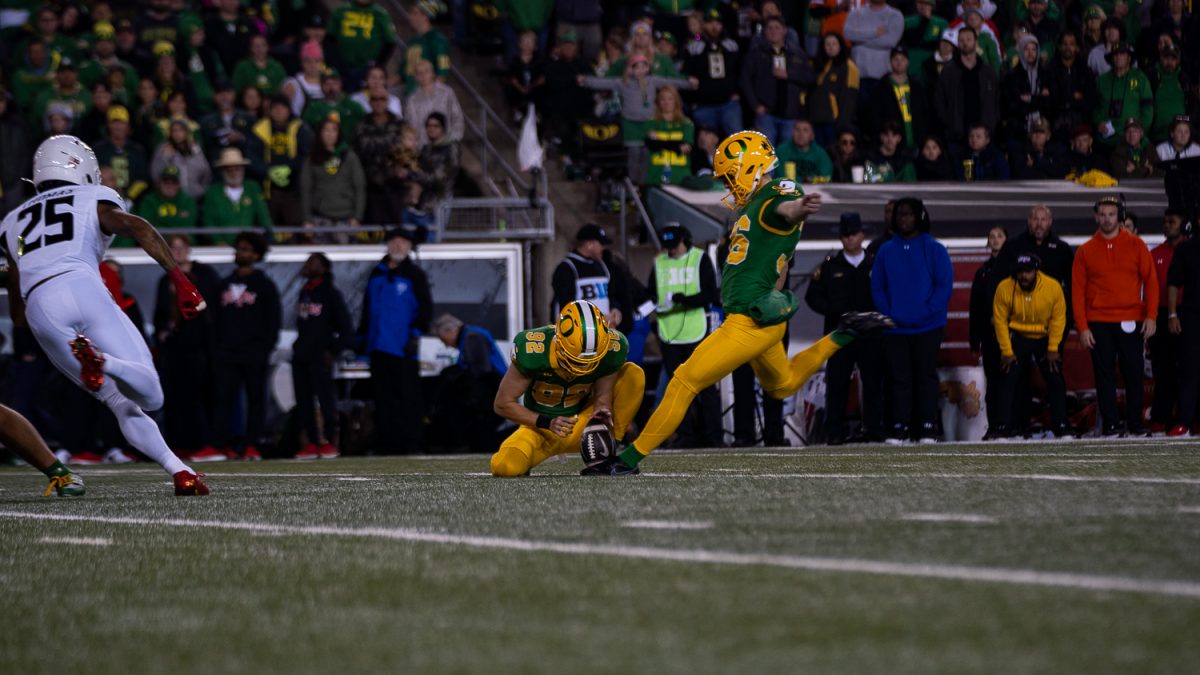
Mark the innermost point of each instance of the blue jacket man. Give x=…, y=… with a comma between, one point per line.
x=463, y=413
x=911, y=280
x=397, y=308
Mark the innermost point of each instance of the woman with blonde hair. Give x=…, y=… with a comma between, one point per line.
x=669, y=138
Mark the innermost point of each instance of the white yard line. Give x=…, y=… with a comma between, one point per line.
x=1189, y=509
x=668, y=525
x=970, y=518
x=1022, y=577
x=80, y=541
x=944, y=476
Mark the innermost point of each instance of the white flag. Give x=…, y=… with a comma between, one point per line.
x=529, y=149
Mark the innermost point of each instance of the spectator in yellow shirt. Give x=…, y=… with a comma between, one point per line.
x=1030, y=318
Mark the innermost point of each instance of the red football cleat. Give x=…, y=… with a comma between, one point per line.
x=329, y=451
x=309, y=451
x=208, y=454
x=1179, y=431
x=251, y=454
x=86, y=458
x=91, y=363
x=188, y=484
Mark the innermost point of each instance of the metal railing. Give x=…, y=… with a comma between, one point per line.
x=494, y=218
x=507, y=216
x=629, y=191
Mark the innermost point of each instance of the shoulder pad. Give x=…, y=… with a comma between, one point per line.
x=729, y=45
x=695, y=48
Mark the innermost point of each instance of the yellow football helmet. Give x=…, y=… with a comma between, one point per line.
x=742, y=160
x=581, y=339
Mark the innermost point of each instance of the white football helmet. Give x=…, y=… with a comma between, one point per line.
x=65, y=158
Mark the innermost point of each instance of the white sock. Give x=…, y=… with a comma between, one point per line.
x=143, y=434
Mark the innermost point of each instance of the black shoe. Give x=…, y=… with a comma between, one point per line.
x=1111, y=432
x=1063, y=431
x=610, y=467
x=1138, y=432
x=836, y=440
x=860, y=324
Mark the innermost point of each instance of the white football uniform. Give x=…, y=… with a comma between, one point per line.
x=57, y=244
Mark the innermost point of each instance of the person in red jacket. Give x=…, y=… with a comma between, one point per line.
x=1164, y=346
x=1115, y=298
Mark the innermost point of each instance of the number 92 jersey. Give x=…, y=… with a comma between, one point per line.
x=57, y=231
x=551, y=394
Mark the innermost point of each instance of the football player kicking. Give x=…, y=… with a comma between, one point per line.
x=18, y=435
x=757, y=304
x=54, y=243
x=560, y=374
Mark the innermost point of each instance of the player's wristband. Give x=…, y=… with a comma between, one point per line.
x=543, y=422
x=1172, y=315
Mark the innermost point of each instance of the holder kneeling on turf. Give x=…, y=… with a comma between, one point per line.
x=559, y=375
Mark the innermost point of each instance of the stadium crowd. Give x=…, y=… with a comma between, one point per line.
x=237, y=114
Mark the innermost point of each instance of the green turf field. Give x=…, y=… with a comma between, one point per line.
x=1003, y=558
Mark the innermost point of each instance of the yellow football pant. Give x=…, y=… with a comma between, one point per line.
x=527, y=447
x=737, y=341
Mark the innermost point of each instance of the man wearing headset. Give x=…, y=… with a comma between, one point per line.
x=685, y=284
x=1115, y=300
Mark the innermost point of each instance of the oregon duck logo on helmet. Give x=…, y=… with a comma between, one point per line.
x=742, y=160
x=581, y=339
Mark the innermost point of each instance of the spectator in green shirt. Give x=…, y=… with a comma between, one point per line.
x=429, y=45
x=126, y=156
x=33, y=72
x=167, y=206
x=669, y=138
x=65, y=90
x=46, y=28
x=232, y=201
x=334, y=102
x=803, y=160
x=259, y=70
x=365, y=35
x=1122, y=92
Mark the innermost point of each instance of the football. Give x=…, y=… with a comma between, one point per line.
x=597, y=444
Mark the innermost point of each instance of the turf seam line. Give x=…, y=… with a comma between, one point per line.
x=1019, y=577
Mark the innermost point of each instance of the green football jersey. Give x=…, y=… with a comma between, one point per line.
x=551, y=394
x=760, y=245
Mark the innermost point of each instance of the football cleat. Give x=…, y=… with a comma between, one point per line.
x=68, y=485
x=597, y=445
x=1179, y=431
x=309, y=451
x=85, y=458
x=208, y=454
x=118, y=456
x=188, y=484
x=91, y=363
x=860, y=324
x=329, y=451
x=251, y=454
x=610, y=467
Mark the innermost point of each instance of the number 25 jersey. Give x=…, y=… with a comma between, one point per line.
x=58, y=231
x=550, y=393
